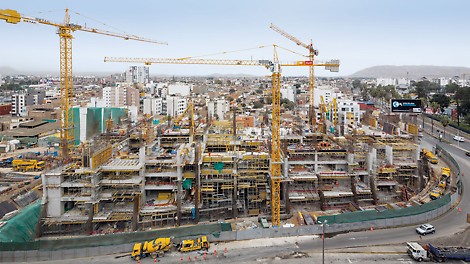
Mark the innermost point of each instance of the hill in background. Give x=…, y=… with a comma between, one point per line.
x=411, y=71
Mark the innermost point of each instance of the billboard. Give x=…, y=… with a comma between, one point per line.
x=405, y=105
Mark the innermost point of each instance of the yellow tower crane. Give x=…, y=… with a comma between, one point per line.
x=311, y=56
x=177, y=122
x=65, y=31
x=275, y=68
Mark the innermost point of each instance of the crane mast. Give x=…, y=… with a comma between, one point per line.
x=311, y=56
x=65, y=31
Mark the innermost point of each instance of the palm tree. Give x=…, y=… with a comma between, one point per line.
x=445, y=122
x=434, y=106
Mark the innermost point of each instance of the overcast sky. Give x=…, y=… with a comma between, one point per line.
x=361, y=33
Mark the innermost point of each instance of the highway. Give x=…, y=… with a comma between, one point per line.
x=450, y=132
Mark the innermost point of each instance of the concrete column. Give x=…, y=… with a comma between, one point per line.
x=179, y=183
x=389, y=155
x=286, y=185
x=197, y=178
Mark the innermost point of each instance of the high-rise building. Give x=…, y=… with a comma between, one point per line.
x=175, y=105
x=153, y=106
x=138, y=74
x=21, y=100
x=217, y=108
x=118, y=96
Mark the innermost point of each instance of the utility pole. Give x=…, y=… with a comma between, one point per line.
x=323, y=242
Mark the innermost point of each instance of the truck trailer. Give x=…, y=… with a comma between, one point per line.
x=440, y=254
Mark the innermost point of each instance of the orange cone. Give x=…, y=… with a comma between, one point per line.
x=205, y=255
x=225, y=250
x=155, y=260
x=459, y=210
x=195, y=257
x=189, y=258
x=371, y=228
x=215, y=252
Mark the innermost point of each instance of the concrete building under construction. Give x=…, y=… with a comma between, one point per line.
x=160, y=175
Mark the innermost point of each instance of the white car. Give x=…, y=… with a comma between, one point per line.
x=459, y=138
x=425, y=229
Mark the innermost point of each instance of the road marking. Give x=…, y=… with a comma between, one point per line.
x=354, y=238
x=349, y=260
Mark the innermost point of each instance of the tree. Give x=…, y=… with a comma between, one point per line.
x=462, y=98
x=356, y=84
x=434, y=106
x=232, y=90
x=258, y=104
x=423, y=88
x=445, y=122
x=442, y=100
x=451, y=88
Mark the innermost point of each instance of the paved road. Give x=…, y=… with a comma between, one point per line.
x=450, y=132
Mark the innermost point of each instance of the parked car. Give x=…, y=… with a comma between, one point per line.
x=459, y=138
x=425, y=229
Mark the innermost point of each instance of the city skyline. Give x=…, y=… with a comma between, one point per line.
x=360, y=34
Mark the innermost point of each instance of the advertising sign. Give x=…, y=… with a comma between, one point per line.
x=405, y=105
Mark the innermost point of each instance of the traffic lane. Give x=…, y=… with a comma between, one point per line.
x=365, y=238
x=455, y=220
x=450, y=133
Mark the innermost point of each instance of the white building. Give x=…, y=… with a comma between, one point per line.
x=138, y=74
x=327, y=92
x=153, y=106
x=179, y=88
x=18, y=104
x=175, y=105
x=118, y=96
x=386, y=81
x=348, y=112
x=289, y=93
x=218, y=107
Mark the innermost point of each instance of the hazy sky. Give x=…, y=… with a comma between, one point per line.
x=361, y=33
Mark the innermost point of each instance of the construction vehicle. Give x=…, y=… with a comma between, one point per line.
x=65, y=31
x=445, y=174
x=436, y=193
x=27, y=165
x=154, y=248
x=430, y=156
x=440, y=254
x=191, y=244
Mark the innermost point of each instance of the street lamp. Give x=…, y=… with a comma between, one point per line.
x=323, y=238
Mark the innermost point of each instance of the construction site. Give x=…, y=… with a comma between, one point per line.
x=151, y=174
x=137, y=181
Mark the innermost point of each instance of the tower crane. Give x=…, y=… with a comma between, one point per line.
x=311, y=56
x=65, y=31
x=275, y=68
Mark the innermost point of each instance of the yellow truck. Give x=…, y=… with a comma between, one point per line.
x=430, y=156
x=27, y=165
x=436, y=193
x=154, y=248
x=191, y=244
